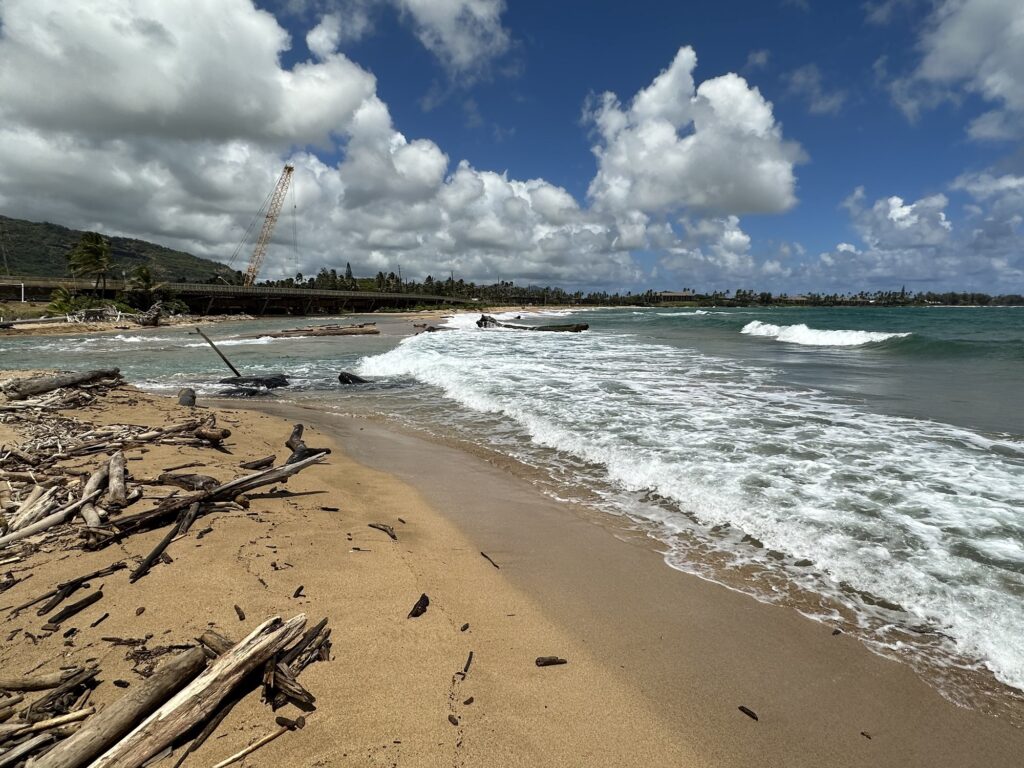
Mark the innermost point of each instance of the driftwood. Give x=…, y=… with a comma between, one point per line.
x=57, y=517
x=321, y=330
x=62, y=591
x=194, y=703
x=188, y=482
x=172, y=506
x=105, y=729
x=118, y=494
x=184, y=522
x=38, y=385
x=486, y=321
x=549, y=661
x=272, y=381
x=289, y=726
x=298, y=448
x=75, y=608
x=211, y=433
x=266, y=461
x=36, y=683
x=386, y=529
x=420, y=608
x=16, y=754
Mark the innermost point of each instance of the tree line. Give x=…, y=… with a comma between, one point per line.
x=91, y=258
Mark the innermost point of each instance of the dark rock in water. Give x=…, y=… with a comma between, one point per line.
x=187, y=397
x=350, y=378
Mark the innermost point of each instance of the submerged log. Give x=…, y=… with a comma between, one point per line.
x=38, y=385
x=350, y=378
x=322, y=330
x=197, y=701
x=486, y=321
x=273, y=381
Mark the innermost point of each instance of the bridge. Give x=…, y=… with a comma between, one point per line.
x=206, y=298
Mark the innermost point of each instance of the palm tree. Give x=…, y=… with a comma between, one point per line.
x=142, y=284
x=91, y=256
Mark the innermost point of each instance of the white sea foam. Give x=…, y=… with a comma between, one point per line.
x=240, y=342
x=894, y=507
x=815, y=337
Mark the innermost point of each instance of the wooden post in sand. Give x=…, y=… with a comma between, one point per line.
x=208, y=341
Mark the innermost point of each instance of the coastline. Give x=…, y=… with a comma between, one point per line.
x=692, y=650
x=659, y=661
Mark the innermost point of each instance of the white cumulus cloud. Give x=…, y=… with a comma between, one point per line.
x=714, y=147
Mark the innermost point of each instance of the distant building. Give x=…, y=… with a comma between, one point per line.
x=684, y=295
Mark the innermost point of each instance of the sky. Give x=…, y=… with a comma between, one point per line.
x=781, y=145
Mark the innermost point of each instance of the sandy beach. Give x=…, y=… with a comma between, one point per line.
x=659, y=662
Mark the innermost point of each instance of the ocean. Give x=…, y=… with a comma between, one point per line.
x=862, y=465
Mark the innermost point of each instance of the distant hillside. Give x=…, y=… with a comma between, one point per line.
x=40, y=249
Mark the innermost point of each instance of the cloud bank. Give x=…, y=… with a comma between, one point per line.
x=170, y=121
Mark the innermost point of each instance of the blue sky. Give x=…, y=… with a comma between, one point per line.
x=886, y=149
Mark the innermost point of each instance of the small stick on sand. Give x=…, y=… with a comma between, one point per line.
x=488, y=559
x=386, y=529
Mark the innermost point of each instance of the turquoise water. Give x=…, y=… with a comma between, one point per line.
x=863, y=465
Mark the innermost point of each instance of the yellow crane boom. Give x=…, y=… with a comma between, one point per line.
x=273, y=211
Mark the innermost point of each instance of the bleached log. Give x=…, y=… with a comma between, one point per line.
x=57, y=517
x=196, y=701
x=36, y=683
x=33, y=508
x=37, y=385
x=117, y=495
x=117, y=719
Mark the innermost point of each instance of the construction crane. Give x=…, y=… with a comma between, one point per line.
x=273, y=211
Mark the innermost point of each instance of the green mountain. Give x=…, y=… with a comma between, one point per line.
x=40, y=250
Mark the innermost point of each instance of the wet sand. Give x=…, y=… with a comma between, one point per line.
x=693, y=651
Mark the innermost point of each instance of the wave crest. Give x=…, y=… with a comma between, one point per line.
x=816, y=337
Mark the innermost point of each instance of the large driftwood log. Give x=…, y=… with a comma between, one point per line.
x=38, y=385
x=105, y=729
x=194, y=703
x=24, y=749
x=37, y=683
x=118, y=494
x=486, y=321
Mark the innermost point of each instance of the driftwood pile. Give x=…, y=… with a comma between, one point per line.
x=175, y=707
x=486, y=321
x=45, y=504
